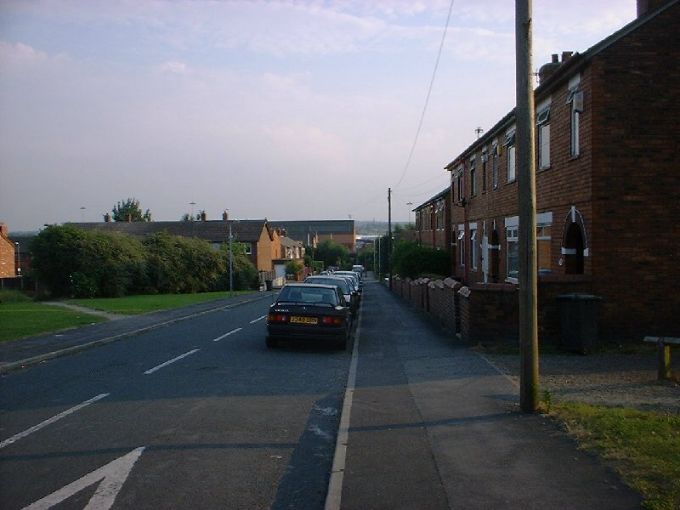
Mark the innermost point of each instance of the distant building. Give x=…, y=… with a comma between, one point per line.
x=433, y=219
x=8, y=257
x=309, y=232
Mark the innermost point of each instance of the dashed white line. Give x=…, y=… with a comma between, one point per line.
x=49, y=421
x=162, y=365
x=227, y=334
x=257, y=320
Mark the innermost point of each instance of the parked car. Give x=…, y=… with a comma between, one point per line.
x=353, y=276
x=346, y=287
x=311, y=312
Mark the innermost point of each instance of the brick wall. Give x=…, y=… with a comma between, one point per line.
x=636, y=181
x=7, y=255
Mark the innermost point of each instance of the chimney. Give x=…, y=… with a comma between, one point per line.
x=204, y=216
x=4, y=230
x=566, y=55
x=107, y=218
x=547, y=70
x=225, y=216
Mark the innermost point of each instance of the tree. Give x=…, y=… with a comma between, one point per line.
x=130, y=209
x=332, y=253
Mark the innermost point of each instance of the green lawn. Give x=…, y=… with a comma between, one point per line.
x=644, y=447
x=20, y=319
x=135, y=305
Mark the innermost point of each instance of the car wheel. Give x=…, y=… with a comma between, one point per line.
x=271, y=343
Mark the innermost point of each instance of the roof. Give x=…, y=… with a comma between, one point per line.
x=290, y=243
x=561, y=74
x=438, y=196
x=301, y=229
x=211, y=230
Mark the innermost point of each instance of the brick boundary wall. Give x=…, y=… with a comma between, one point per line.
x=488, y=312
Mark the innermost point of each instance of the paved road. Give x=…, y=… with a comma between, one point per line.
x=199, y=414
x=228, y=424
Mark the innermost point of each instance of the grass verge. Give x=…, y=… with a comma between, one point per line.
x=136, y=305
x=643, y=446
x=21, y=319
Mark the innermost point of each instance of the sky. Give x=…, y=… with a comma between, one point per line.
x=294, y=110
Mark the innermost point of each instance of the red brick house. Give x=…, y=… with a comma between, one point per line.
x=433, y=221
x=607, y=181
x=8, y=256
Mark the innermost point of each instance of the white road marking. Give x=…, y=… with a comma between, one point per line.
x=162, y=365
x=334, y=494
x=111, y=478
x=49, y=421
x=258, y=319
x=227, y=334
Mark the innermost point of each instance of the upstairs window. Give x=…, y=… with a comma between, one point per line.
x=575, y=102
x=473, y=177
x=459, y=184
x=511, y=160
x=494, y=165
x=485, y=159
x=543, y=129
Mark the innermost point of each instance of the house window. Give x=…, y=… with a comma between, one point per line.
x=543, y=237
x=473, y=247
x=461, y=243
x=575, y=100
x=494, y=165
x=510, y=147
x=459, y=184
x=473, y=178
x=439, y=211
x=543, y=128
x=249, y=249
x=485, y=159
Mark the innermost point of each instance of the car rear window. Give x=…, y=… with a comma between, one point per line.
x=338, y=282
x=311, y=295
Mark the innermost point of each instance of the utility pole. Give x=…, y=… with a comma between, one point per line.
x=231, y=263
x=379, y=261
x=389, y=233
x=526, y=144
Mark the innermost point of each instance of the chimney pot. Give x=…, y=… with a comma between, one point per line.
x=107, y=218
x=555, y=58
x=566, y=55
x=225, y=216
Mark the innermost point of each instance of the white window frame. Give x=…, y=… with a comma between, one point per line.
x=494, y=165
x=575, y=102
x=474, y=252
x=543, y=134
x=511, y=237
x=511, y=155
x=473, y=176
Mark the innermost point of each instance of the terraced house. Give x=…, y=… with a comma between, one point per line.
x=608, y=181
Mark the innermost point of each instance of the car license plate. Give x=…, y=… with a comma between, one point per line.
x=294, y=319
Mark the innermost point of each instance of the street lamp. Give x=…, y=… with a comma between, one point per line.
x=82, y=214
x=18, y=271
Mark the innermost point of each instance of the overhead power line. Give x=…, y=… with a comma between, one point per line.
x=427, y=98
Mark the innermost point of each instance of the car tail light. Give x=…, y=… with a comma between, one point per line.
x=331, y=321
x=277, y=317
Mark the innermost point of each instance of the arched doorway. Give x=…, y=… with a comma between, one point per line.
x=573, y=250
x=574, y=243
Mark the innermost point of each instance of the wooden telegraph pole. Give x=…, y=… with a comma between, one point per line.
x=389, y=234
x=526, y=143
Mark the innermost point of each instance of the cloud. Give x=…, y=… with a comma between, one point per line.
x=174, y=67
x=19, y=53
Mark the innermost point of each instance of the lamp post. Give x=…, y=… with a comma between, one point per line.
x=82, y=214
x=18, y=271
x=231, y=263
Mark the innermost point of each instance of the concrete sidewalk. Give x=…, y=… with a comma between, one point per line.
x=435, y=426
x=26, y=351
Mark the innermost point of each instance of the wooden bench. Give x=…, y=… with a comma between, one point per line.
x=663, y=344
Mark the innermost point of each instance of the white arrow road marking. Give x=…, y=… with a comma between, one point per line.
x=49, y=421
x=111, y=478
x=158, y=367
x=258, y=319
x=227, y=334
